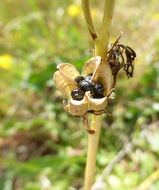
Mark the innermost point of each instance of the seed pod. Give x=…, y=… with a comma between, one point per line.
x=77, y=104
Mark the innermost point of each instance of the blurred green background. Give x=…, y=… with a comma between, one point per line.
x=41, y=146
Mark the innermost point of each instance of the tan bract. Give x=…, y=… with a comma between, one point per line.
x=64, y=80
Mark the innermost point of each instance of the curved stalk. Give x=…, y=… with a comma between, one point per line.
x=88, y=18
x=101, y=46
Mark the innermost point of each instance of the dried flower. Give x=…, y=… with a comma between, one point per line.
x=121, y=56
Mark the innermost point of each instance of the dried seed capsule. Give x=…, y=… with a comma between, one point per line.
x=77, y=94
x=88, y=77
x=99, y=89
x=79, y=79
x=86, y=85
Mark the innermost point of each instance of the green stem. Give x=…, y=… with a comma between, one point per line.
x=101, y=43
x=101, y=46
x=148, y=181
x=93, y=140
x=88, y=18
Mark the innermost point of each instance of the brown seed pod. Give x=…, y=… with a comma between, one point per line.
x=64, y=80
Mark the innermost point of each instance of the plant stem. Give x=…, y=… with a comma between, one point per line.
x=101, y=45
x=93, y=140
x=148, y=181
x=88, y=18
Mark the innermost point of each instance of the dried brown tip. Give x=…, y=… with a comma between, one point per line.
x=119, y=57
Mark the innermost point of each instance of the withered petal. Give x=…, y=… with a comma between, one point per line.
x=76, y=108
x=90, y=65
x=96, y=104
x=69, y=70
x=103, y=75
x=64, y=83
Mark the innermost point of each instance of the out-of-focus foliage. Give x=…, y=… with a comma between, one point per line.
x=41, y=146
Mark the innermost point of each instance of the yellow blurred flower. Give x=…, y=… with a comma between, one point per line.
x=5, y=61
x=155, y=16
x=74, y=10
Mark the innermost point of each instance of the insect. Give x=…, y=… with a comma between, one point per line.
x=120, y=56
